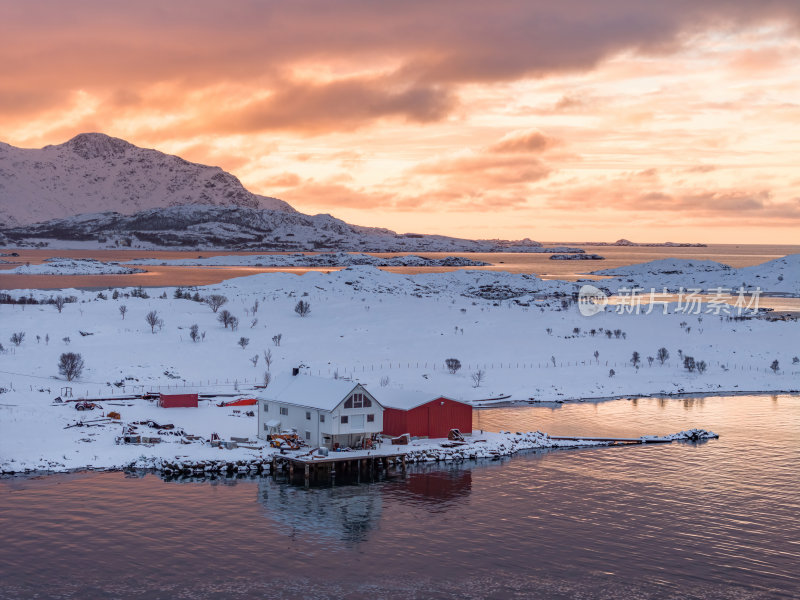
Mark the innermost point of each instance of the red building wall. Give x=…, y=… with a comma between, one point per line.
x=177, y=400
x=433, y=419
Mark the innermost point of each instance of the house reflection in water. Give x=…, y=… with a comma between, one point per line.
x=349, y=512
x=434, y=485
x=345, y=513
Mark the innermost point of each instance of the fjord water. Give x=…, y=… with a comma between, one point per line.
x=702, y=520
x=735, y=255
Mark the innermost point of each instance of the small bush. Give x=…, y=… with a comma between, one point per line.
x=302, y=308
x=453, y=365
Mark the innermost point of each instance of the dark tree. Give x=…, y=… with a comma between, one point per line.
x=215, y=301
x=152, y=319
x=243, y=341
x=59, y=303
x=194, y=332
x=17, y=337
x=225, y=318
x=70, y=365
x=662, y=355
x=689, y=364
x=302, y=308
x=775, y=366
x=122, y=310
x=636, y=359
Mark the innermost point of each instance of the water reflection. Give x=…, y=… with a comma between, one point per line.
x=346, y=513
x=717, y=520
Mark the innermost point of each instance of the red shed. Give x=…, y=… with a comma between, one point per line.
x=177, y=400
x=420, y=414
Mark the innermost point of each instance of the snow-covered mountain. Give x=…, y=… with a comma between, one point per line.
x=203, y=227
x=94, y=172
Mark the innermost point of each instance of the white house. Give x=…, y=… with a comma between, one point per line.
x=324, y=412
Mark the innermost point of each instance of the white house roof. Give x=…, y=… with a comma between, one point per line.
x=305, y=390
x=405, y=399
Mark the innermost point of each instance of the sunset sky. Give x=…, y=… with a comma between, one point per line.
x=562, y=120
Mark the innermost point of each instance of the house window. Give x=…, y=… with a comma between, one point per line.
x=344, y=420
x=322, y=418
x=285, y=411
x=308, y=416
x=370, y=418
x=265, y=427
x=308, y=435
x=266, y=407
x=357, y=401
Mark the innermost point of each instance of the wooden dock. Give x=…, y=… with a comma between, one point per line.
x=317, y=467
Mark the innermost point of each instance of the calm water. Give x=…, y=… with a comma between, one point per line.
x=741, y=255
x=711, y=520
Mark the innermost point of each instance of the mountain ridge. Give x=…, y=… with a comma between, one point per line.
x=95, y=172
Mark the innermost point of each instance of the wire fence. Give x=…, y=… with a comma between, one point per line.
x=230, y=385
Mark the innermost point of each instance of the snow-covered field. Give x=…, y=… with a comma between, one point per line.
x=382, y=329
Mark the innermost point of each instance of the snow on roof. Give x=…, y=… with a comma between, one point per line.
x=305, y=390
x=405, y=399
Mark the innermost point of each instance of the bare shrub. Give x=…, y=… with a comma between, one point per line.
x=302, y=308
x=70, y=365
x=215, y=301
x=477, y=377
x=153, y=320
x=268, y=358
x=453, y=365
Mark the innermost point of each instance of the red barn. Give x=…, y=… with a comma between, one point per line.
x=177, y=400
x=420, y=414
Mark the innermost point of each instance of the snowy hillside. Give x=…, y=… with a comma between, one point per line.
x=781, y=275
x=204, y=227
x=94, y=172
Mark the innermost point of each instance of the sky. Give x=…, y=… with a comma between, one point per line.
x=575, y=120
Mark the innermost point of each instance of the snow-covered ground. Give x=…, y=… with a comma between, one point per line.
x=74, y=266
x=382, y=329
